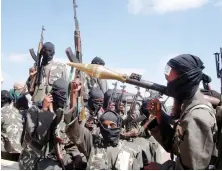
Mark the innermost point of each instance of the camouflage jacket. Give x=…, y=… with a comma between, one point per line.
x=51, y=72
x=125, y=156
x=11, y=129
x=41, y=128
x=90, y=82
x=192, y=140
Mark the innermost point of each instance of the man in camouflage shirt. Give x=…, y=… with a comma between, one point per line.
x=50, y=70
x=11, y=128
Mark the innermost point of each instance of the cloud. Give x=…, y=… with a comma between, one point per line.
x=21, y=58
x=163, y=6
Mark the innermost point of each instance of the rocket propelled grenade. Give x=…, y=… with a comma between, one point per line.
x=99, y=71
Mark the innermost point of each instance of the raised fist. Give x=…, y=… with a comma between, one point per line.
x=154, y=106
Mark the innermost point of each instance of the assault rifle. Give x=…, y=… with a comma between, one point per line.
x=112, y=95
x=218, y=59
x=37, y=58
x=77, y=58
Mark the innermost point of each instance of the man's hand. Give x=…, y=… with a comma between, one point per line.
x=32, y=72
x=47, y=101
x=154, y=107
x=76, y=85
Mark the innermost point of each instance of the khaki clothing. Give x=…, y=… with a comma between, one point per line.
x=192, y=140
x=51, y=72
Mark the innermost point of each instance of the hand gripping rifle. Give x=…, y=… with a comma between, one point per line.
x=77, y=58
x=102, y=72
x=37, y=58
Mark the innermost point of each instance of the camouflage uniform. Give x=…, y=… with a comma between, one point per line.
x=51, y=72
x=100, y=157
x=39, y=149
x=11, y=129
x=90, y=82
x=192, y=140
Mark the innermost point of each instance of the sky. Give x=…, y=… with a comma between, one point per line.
x=130, y=35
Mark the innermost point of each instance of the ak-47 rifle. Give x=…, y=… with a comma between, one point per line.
x=37, y=58
x=218, y=59
x=112, y=95
x=77, y=58
x=132, y=109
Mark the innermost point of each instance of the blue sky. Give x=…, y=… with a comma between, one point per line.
x=130, y=35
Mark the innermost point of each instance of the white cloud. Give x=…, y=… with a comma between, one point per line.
x=19, y=58
x=163, y=6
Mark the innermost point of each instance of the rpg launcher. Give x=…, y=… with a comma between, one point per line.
x=102, y=72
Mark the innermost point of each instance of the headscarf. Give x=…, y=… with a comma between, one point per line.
x=189, y=68
x=98, y=61
x=95, y=93
x=59, y=92
x=5, y=98
x=47, y=51
x=110, y=135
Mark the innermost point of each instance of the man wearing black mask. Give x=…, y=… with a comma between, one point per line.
x=50, y=71
x=192, y=139
x=95, y=107
x=104, y=149
x=91, y=82
x=44, y=139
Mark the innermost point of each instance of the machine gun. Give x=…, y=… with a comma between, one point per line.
x=112, y=95
x=37, y=58
x=77, y=58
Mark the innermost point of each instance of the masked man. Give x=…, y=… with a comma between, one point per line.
x=192, y=140
x=91, y=82
x=104, y=150
x=49, y=70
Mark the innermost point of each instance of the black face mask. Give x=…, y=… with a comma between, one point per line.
x=110, y=135
x=185, y=86
x=94, y=105
x=47, y=52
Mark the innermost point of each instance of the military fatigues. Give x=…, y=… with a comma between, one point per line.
x=11, y=129
x=42, y=133
x=51, y=72
x=192, y=140
x=90, y=82
x=125, y=156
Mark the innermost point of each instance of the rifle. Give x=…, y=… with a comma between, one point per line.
x=38, y=77
x=112, y=95
x=119, y=101
x=132, y=109
x=77, y=58
x=218, y=56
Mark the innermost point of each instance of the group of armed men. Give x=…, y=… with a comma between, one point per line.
x=41, y=130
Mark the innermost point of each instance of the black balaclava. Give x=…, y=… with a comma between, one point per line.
x=189, y=68
x=22, y=102
x=110, y=135
x=107, y=97
x=59, y=93
x=48, y=51
x=95, y=93
x=5, y=98
x=144, y=109
x=98, y=61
